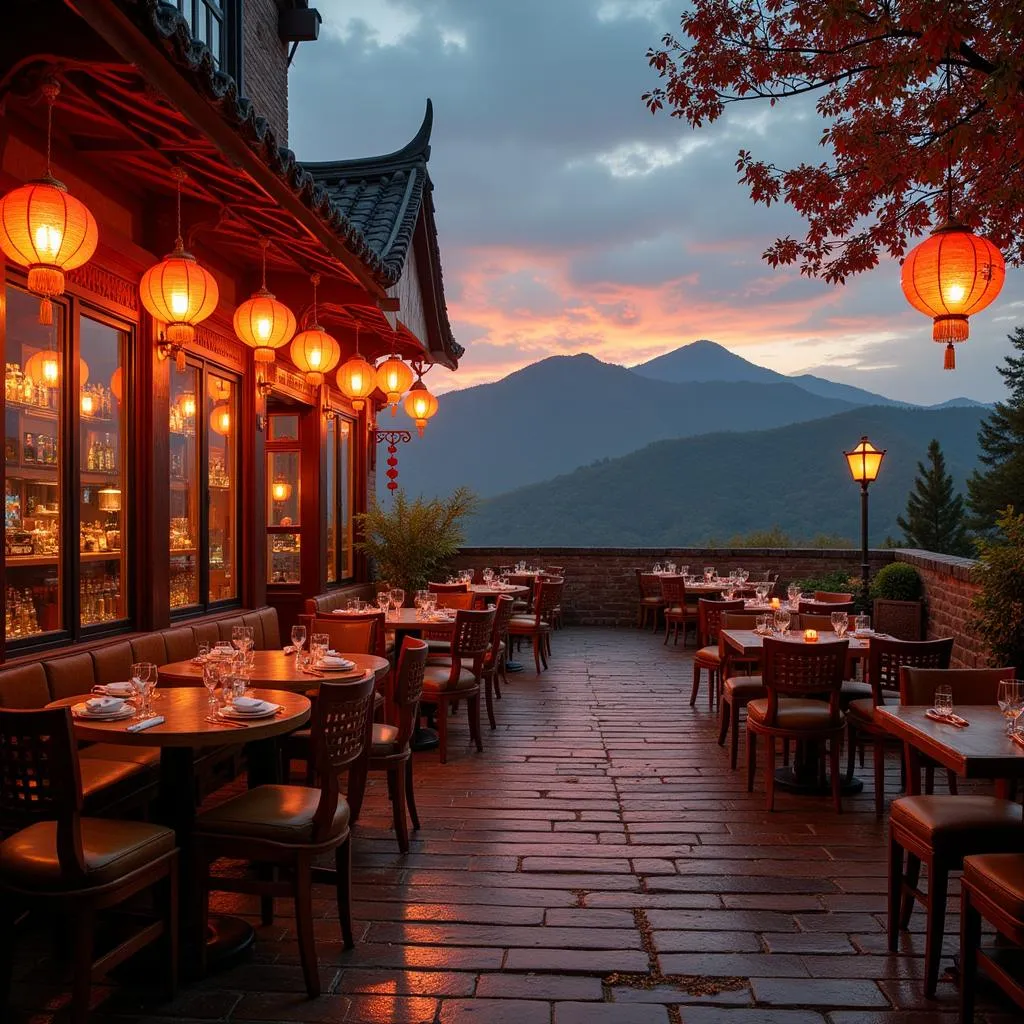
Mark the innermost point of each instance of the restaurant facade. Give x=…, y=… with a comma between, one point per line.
x=173, y=450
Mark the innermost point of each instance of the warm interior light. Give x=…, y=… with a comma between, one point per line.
x=188, y=404
x=220, y=420
x=51, y=371
x=87, y=405
x=864, y=461
x=109, y=499
x=281, y=490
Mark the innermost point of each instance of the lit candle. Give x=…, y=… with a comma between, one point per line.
x=810, y=636
x=776, y=603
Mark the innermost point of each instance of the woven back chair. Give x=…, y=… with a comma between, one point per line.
x=803, y=670
x=969, y=685
x=709, y=618
x=887, y=657
x=355, y=633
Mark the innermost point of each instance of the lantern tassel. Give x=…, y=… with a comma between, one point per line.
x=950, y=361
x=179, y=360
x=46, y=312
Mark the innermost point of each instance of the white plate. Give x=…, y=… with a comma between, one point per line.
x=341, y=666
x=81, y=711
x=267, y=712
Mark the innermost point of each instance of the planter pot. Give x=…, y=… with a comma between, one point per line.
x=901, y=619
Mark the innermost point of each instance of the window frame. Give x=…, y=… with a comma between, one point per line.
x=345, y=492
x=228, y=13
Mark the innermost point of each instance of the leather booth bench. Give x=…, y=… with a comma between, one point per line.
x=117, y=778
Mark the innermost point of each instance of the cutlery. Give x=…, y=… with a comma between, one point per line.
x=226, y=721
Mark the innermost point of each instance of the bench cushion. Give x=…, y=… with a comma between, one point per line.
x=113, y=664
x=24, y=687
x=180, y=644
x=271, y=629
x=149, y=648
x=71, y=675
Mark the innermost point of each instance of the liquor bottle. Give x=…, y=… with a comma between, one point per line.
x=29, y=452
x=90, y=459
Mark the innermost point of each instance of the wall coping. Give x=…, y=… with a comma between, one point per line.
x=949, y=565
x=843, y=554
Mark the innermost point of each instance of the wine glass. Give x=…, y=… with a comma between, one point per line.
x=488, y=576
x=383, y=601
x=840, y=623
x=782, y=620
x=1010, y=701
x=657, y=567
x=709, y=573
x=793, y=593
x=298, y=639
x=684, y=571
x=238, y=637
x=744, y=574
x=396, y=596
x=211, y=680
x=143, y=681
x=761, y=592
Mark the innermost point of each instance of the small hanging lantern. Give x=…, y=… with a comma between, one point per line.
x=357, y=378
x=109, y=498
x=87, y=403
x=263, y=323
x=280, y=490
x=179, y=292
x=220, y=419
x=951, y=275
x=188, y=404
x=44, y=368
x=314, y=351
x=45, y=228
x=394, y=379
x=420, y=405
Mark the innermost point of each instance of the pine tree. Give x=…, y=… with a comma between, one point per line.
x=935, y=513
x=1001, y=439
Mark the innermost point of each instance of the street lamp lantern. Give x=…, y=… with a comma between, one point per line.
x=864, y=460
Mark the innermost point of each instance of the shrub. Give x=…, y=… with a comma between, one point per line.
x=897, y=582
x=999, y=606
x=838, y=581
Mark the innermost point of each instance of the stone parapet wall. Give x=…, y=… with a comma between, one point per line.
x=600, y=586
x=948, y=593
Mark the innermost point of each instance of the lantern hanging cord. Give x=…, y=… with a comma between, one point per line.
x=178, y=174
x=264, y=245
x=51, y=90
x=949, y=145
x=316, y=281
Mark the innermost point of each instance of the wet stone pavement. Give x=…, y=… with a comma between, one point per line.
x=599, y=863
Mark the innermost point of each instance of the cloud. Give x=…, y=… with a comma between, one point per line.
x=572, y=220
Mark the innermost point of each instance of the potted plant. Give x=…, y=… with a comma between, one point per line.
x=999, y=605
x=410, y=542
x=898, y=608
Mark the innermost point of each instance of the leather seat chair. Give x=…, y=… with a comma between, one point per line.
x=536, y=627
x=389, y=751
x=289, y=827
x=739, y=687
x=458, y=677
x=708, y=657
x=992, y=887
x=73, y=866
x=939, y=832
x=885, y=658
x=650, y=602
x=797, y=677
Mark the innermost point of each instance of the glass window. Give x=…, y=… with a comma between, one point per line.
x=346, y=494
x=283, y=498
x=283, y=558
x=333, y=499
x=184, y=483
x=33, y=458
x=222, y=465
x=339, y=487
x=283, y=427
x=206, y=21
x=102, y=494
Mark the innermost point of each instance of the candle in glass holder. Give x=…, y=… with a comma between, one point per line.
x=776, y=603
x=810, y=636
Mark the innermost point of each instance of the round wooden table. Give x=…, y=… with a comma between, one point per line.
x=277, y=669
x=187, y=727
x=490, y=592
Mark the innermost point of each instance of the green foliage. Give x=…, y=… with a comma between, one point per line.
x=776, y=537
x=410, y=542
x=935, y=512
x=839, y=581
x=897, y=582
x=1001, y=439
x=999, y=607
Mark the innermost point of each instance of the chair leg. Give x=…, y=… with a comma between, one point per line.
x=723, y=719
x=851, y=749
x=499, y=670
x=303, y=895
x=8, y=943
x=785, y=753
x=536, y=652
x=895, y=893
x=912, y=878
x=970, y=939
x=712, y=684
x=84, y=929
x=751, y=759
x=734, y=739
x=410, y=796
x=545, y=648
x=343, y=890
x=357, y=786
x=878, y=753
x=442, y=730
x=489, y=697
x=769, y=773
x=396, y=785
x=929, y=780
x=837, y=781
x=473, y=710
x=938, y=881
x=696, y=684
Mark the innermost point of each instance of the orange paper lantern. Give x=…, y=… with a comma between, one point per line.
x=264, y=324
x=420, y=405
x=394, y=379
x=357, y=380
x=117, y=383
x=179, y=292
x=315, y=353
x=951, y=275
x=220, y=419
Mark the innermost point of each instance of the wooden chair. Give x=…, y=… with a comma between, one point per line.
x=71, y=866
x=992, y=887
x=494, y=661
x=831, y=597
x=290, y=827
x=650, y=601
x=555, y=572
x=354, y=633
x=458, y=678
x=448, y=588
x=738, y=690
x=817, y=607
x=389, y=750
x=524, y=604
x=797, y=676
x=709, y=622
x=537, y=627
x=940, y=831
x=885, y=659
x=678, y=614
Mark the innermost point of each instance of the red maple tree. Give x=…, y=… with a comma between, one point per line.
x=922, y=101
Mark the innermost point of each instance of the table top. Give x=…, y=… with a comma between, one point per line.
x=489, y=590
x=185, y=710
x=748, y=645
x=405, y=620
x=277, y=669
x=981, y=750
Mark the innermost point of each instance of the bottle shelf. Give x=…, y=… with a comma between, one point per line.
x=28, y=561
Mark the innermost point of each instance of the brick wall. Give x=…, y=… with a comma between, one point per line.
x=948, y=592
x=600, y=585
x=265, y=65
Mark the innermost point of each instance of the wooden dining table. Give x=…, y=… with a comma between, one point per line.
x=276, y=669
x=191, y=725
x=981, y=750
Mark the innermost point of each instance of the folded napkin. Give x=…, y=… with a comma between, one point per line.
x=248, y=704
x=290, y=649
x=146, y=723
x=103, y=705
x=336, y=662
x=115, y=689
x=950, y=719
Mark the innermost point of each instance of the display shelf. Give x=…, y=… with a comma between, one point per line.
x=17, y=561
x=184, y=551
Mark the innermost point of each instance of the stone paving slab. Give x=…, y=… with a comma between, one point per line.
x=599, y=863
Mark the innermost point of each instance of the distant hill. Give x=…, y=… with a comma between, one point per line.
x=961, y=403
x=718, y=485
x=567, y=411
x=708, y=361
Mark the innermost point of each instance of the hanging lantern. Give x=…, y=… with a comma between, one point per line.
x=220, y=419
x=357, y=378
x=188, y=404
x=281, y=490
x=88, y=404
x=179, y=292
x=117, y=383
x=950, y=276
x=394, y=379
x=263, y=323
x=109, y=499
x=314, y=351
x=420, y=405
x=44, y=368
x=45, y=228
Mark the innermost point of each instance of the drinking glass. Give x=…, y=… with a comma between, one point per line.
x=298, y=639
x=761, y=592
x=657, y=567
x=671, y=568
x=203, y=648
x=384, y=601
x=1010, y=700
x=761, y=624
x=211, y=680
x=318, y=646
x=418, y=600
x=944, y=700
x=237, y=637
x=782, y=621
x=728, y=592
x=709, y=573
x=143, y=681
x=744, y=574
x=684, y=571
x=840, y=623
x=488, y=576
x=862, y=623
x=397, y=598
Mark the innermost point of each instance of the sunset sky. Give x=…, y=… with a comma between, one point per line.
x=571, y=220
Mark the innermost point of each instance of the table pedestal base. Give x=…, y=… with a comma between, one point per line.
x=424, y=738
x=513, y=666
x=228, y=938
x=791, y=781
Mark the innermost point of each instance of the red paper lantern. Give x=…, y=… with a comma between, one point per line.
x=420, y=405
x=315, y=353
x=394, y=378
x=180, y=292
x=951, y=275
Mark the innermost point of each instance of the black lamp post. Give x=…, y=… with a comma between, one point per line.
x=865, y=460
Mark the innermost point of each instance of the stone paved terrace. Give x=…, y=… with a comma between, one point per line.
x=598, y=864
